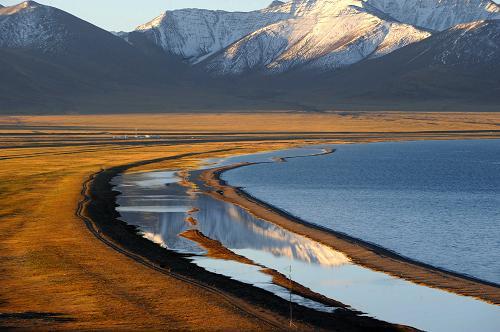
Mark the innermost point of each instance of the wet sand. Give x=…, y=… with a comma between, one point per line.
x=360, y=252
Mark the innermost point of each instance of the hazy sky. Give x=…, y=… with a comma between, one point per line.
x=125, y=15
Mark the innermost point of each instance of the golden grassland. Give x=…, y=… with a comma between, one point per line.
x=51, y=264
x=55, y=275
x=266, y=122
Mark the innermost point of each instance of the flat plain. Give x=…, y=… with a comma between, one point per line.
x=56, y=275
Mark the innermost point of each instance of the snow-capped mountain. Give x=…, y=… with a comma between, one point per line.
x=468, y=44
x=380, y=50
x=438, y=14
x=320, y=35
x=30, y=25
x=276, y=3
x=456, y=69
x=195, y=34
x=48, y=56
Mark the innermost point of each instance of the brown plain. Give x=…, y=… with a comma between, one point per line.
x=55, y=275
x=271, y=122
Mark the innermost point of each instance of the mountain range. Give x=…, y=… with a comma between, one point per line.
x=301, y=54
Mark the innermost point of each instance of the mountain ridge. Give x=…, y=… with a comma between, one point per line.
x=422, y=74
x=55, y=57
x=323, y=35
x=344, y=54
x=287, y=22
x=290, y=34
x=203, y=32
x=438, y=15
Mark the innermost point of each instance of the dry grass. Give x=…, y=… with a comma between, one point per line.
x=265, y=122
x=51, y=264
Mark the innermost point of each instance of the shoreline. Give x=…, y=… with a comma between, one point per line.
x=216, y=250
x=59, y=275
x=360, y=252
x=97, y=210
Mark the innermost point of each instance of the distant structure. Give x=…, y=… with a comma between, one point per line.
x=136, y=136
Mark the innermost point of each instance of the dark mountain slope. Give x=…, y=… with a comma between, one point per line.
x=52, y=59
x=454, y=69
x=53, y=62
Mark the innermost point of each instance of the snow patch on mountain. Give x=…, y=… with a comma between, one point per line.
x=321, y=35
x=196, y=34
x=469, y=43
x=276, y=3
x=31, y=25
x=305, y=34
x=398, y=36
x=121, y=34
x=438, y=14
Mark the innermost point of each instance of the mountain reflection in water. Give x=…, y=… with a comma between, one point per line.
x=162, y=205
x=160, y=213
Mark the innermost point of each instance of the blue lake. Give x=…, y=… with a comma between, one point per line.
x=434, y=201
x=431, y=201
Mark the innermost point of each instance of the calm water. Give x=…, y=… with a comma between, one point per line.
x=434, y=201
x=158, y=206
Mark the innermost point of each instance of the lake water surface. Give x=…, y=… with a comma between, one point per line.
x=434, y=201
x=159, y=205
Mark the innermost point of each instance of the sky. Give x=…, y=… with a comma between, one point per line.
x=126, y=15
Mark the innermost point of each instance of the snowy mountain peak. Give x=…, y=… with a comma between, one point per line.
x=195, y=34
x=437, y=14
x=467, y=45
x=198, y=34
x=30, y=25
x=276, y=3
x=322, y=34
x=472, y=43
x=29, y=4
x=26, y=5
x=305, y=34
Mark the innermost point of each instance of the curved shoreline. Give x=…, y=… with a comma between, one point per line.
x=97, y=211
x=360, y=252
